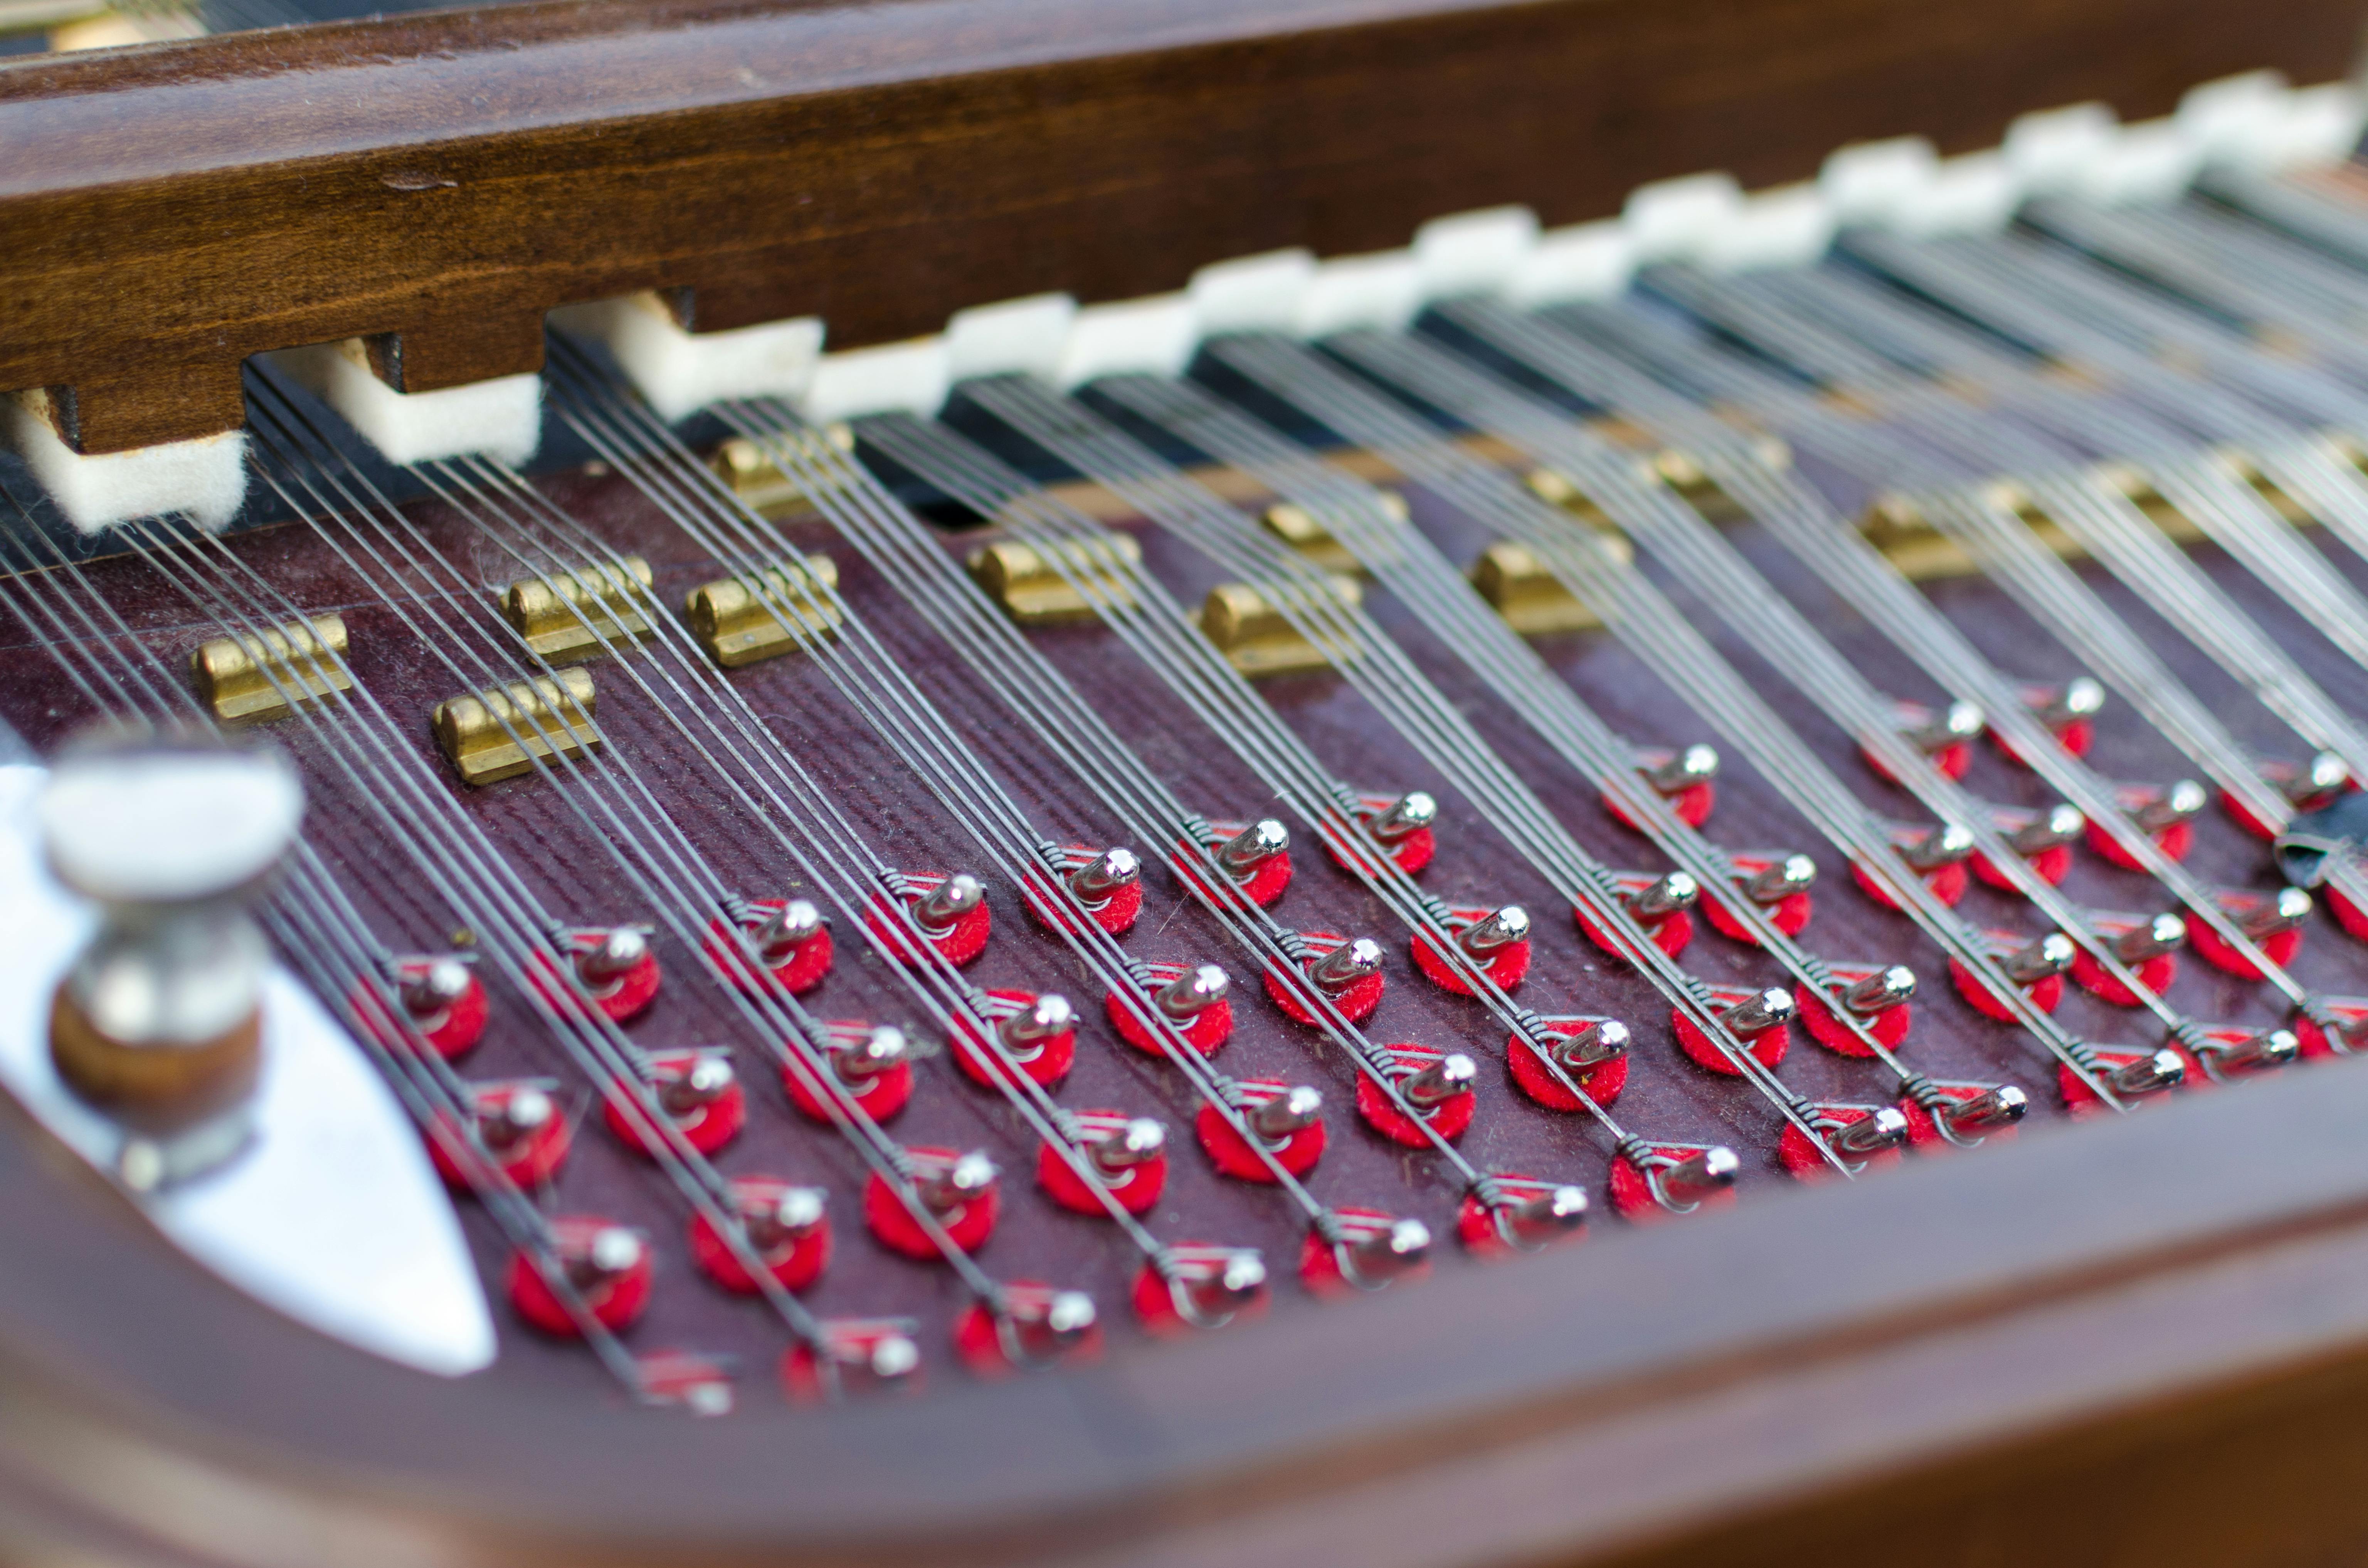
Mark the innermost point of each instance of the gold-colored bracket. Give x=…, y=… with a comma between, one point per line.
x=572, y=615
x=1525, y=590
x=1298, y=528
x=1255, y=639
x=758, y=483
x=1026, y=585
x=738, y=624
x=235, y=675
x=551, y=717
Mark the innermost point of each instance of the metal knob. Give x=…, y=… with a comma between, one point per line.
x=938, y=911
x=1408, y=815
x=1885, y=988
x=1706, y=1174
x=1695, y=765
x=1502, y=929
x=1098, y=878
x=1193, y=993
x=1347, y=965
x=786, y=929
x=1024, y=1033
x=1244, y=853
x=1290, y=1111
x=1794, y=873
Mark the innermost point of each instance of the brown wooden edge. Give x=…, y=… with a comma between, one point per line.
x=2041, y=1313
x=436, y=183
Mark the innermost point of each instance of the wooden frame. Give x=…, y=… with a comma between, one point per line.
x=436, y=183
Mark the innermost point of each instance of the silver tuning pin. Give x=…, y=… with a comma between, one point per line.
x=1979, y=1115
x=1408, y=815
x=697, y=1083
x=2151, y=939
x=1694, y=765
x=2037, y=960
x=2150, y=1074
x=158, y=1022
x=1682, y=1184
x=786, y=929
x=1793, y=874
x=1193, y=993
x=1756, y=1015
x=2175, y=804
x=438, y=986
x=1884, y=989
x=1243, y=854
x=1434, y=1085
x=1095, y=881
x=1140, y=1141
x=608, y=1252
x=2316, y=781
x=1657, y=900
x=1024, y=1032
x=1544, y=1217
x=2057, y=705
x=1502, y=929
x=1216, y=1292
x=1601, y=1040
x=1346, y=965
x=2255, y=1052
x=2060, y=823
x=971, y=1176
x=1290, y=1111
x=938, y=911
x=1958, y=723
x=620, y=951
x=1039, y=1331
x=785, y=1217
x=1399, y=1247
x=1944, y=845
x=1869, y=1135
x=885, y=1047
x=2286, y=909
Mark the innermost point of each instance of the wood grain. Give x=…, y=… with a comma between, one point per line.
x=440, y=181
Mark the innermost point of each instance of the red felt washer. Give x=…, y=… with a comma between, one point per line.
x=2077, y=736
x=979, y=1342
x=2044, y=993
x=2155, y=975
x=450, y=1033
x=1319, y=1268
x=1790, y=915
x=614, y=1303
x=1800, y=1159
x=2314, y=1039
x=2081, y=1101
x=1136, y=1189
x=1506, y=967
x=1948, y=883
x=1952, y=760
x=1265, y=886
x=1476, y=1228
x=1632, y=1194
x=1208, y=1028
x=2051, y=865
x=535, y=1160
x=623, y=1000
x=1356, y=1004
x=1054, y=1056
x=883, y=1094
x=2278, y=947
x=804, y=970
x=801, y=1378
x=1924, y=1133
x=1670, y=934
x=1447, y=1118
x=1602, y=1083
x=1231, y=1152
x=796, y=1264
x=1889, y=1027
x=2242, y=815
x=1154, y=1303
x=1117, y=915
x=1411, y=853
x=961, y=945
x=2348, y=915
x=893, y=1225
x=707, y=1128
x=2173, y=841
x=1768, y=1050
x=1692, y=804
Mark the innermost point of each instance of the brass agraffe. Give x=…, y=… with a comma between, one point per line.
x=549, y=716
x=248, y=679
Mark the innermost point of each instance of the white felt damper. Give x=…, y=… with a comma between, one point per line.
x=1252, y=293
x=205, y=478
x=1788, y=226
x=1015, y=337
x=1973, y=194
x=2322, y=126
x=1866, y=181
x=1381, y=290
x=910, y=377
x=501, y=418
x=2232, y=117
x=2048, y=150
x=1154, y=336
x=1583, y=261
x=1472, y=253
x=1674, y=219
x=678, y=372
x=2150, y=163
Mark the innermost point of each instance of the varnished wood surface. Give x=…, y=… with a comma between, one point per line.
x=449, y=177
